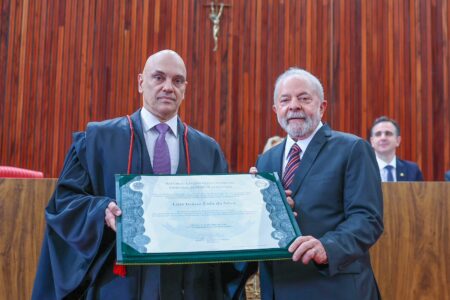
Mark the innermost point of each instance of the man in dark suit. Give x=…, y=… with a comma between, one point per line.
x=447, y=175
x=385, y=138
x=333, y=184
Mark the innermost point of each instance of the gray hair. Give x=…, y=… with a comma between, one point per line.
x=294, y=71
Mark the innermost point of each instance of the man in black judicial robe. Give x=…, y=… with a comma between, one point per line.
x=78, y=251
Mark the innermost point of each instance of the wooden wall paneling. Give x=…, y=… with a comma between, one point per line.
x=374, y=58
x=345, y=36
x=27, y=66
x=38, y=127
x=4, y=38
x=333, y=89
x=403, y=59
x=258, y=78
x=413, y=77
x=22, y=46
x=242, y=86
x=83, y=89
x=248, y=120
x=446, y=149
x=4, y=26
x=366, y=120
x=188, y=41
x=75, y=65
x=56, y=113
x=226, y=126
x=440, y=88
x=235, y=91
x=205, y=117
x=428, y=118
x=269, y=124
x=96, y=60
x=8, y=39
x=405, y=96
x=135, y=32
x=44, y=93
x=33, y=104
x=35, y=62
x=392, y=58
x=132, y=97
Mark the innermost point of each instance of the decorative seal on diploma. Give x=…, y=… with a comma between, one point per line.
x=202, y=218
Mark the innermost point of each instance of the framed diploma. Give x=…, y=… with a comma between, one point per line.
x=171, y=219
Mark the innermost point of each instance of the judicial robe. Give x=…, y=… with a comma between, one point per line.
x=78, y=250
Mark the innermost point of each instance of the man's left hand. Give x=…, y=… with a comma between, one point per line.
x=307, y=248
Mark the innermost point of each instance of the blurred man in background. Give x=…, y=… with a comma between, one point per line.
x=385, y=138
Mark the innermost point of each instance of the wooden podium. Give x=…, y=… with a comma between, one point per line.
x=22, y=205
x=411, y=260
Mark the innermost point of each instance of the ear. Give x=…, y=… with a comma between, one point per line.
x=184, y=90
x=372, y=142
x=140, y=81
x=323, y=107
x=398, y=140
x=274, y=108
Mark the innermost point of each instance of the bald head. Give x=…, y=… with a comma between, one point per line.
x=165, y=55
x=163, y=83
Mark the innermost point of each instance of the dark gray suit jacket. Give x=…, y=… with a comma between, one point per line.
x=338, y=198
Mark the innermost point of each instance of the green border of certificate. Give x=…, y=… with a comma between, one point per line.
x=176, y=219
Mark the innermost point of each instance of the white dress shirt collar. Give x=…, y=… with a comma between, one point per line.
x=303, y=144
x=383, y=172
x=382, y=163
x=149, y=121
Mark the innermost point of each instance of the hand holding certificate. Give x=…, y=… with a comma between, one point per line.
x=202, y=218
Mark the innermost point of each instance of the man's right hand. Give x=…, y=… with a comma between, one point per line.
x=111, y=212
x=290, y=201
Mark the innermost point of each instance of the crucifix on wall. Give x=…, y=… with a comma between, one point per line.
x=214, y=16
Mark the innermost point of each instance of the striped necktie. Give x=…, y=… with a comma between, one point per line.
x=292, y=165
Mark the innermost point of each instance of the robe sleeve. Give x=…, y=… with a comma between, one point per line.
x=75, y=229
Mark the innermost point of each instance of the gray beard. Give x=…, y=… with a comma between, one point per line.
x=297, y=130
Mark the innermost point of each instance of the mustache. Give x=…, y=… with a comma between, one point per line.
x=293, y=115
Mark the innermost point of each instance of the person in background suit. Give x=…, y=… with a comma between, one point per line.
x=447, y=175
x=78, y=253
x=333, y=185
x=271, y=142
x=385, y=138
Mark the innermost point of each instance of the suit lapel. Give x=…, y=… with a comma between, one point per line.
x=141, y=159
x=182, y=159
x=276, y=158
x=314, y=147
x=400, y=170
